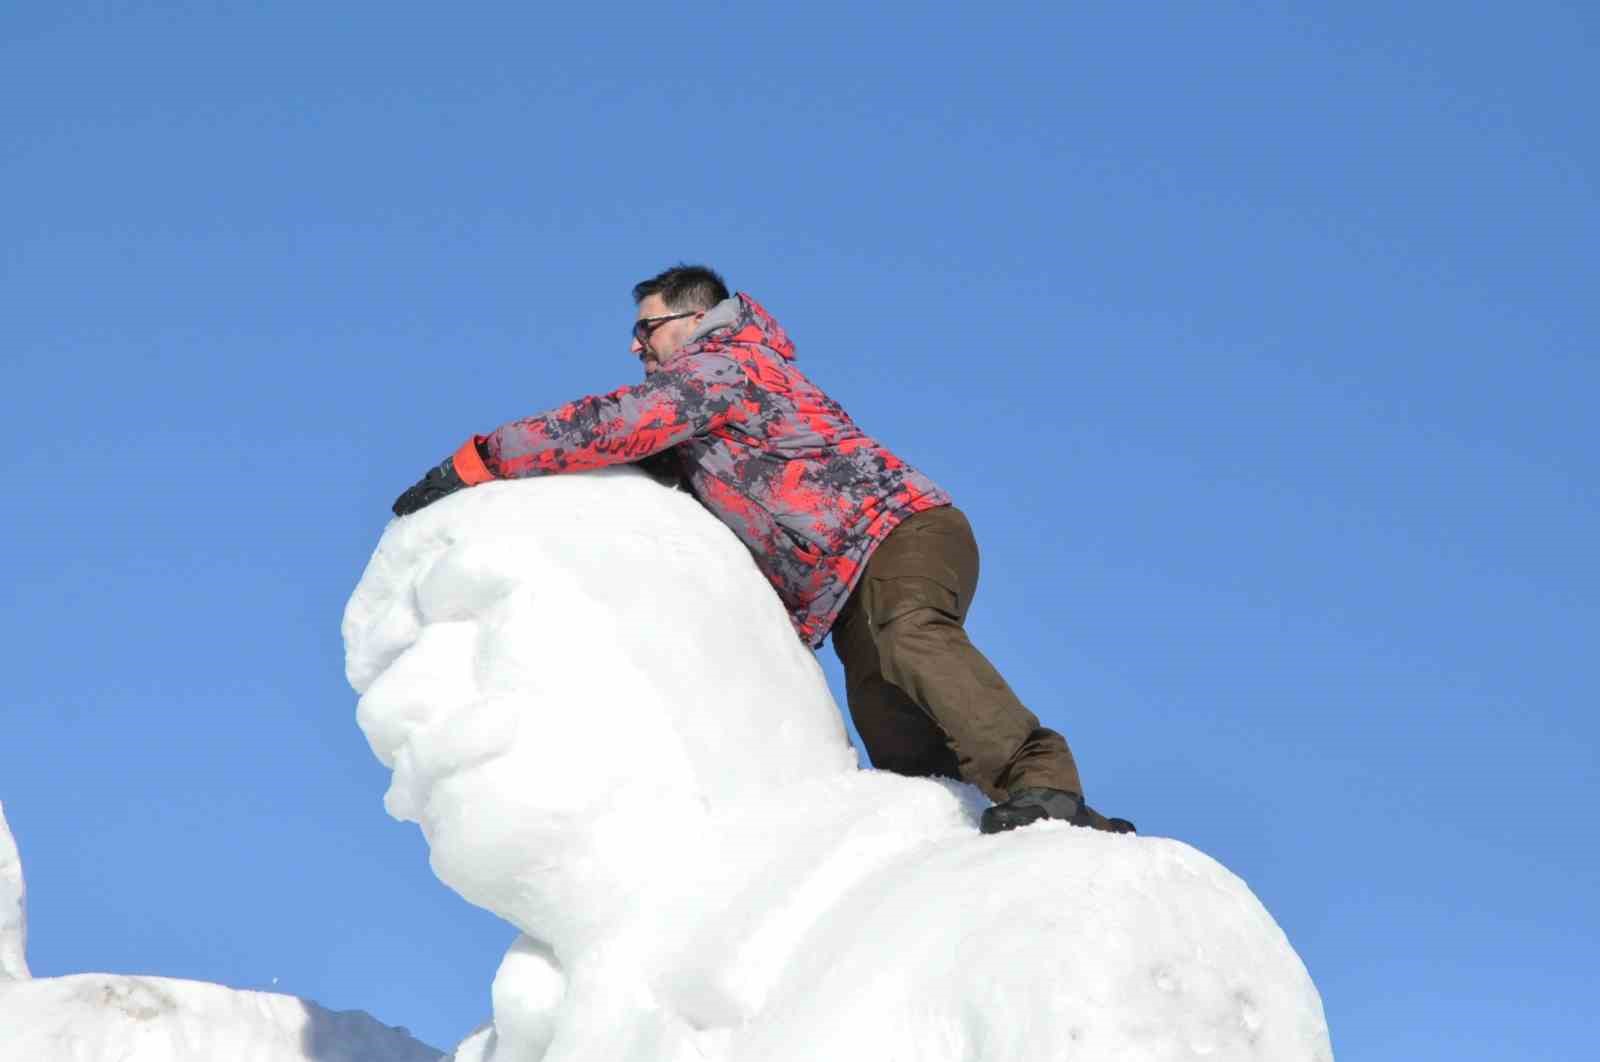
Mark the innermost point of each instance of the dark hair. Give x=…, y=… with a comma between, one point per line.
x=683, y=287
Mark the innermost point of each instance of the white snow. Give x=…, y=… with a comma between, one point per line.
x=111, y=1018
x=13, y=908
x=598, y=713
x=96, y=1017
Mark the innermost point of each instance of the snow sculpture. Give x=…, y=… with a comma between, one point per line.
x=599, y=715
x=13, y=908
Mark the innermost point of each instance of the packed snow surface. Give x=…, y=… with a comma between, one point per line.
x=597, y=711
x=13, y=908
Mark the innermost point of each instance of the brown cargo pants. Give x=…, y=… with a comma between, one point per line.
x=924, y=700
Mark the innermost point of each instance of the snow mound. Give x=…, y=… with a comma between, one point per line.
x=109, y=1018
x=13, y=908
x=597, y=711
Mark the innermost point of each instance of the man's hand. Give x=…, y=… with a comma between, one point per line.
x=464, y=468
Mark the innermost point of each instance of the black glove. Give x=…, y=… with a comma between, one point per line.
x=464, y=468
x=430, y=488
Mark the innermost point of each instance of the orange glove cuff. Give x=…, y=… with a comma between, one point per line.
x=469, y=464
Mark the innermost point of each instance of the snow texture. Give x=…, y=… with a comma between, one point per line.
x=597, y=711
x=13, y=908
x=110, y=1018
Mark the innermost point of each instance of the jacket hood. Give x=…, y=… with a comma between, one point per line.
x=741, y=319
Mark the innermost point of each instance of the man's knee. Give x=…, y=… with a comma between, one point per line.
x=915, y=643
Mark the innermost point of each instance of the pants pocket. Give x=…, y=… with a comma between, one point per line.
x=889, y=599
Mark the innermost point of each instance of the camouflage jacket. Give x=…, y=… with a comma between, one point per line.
x=760, y=445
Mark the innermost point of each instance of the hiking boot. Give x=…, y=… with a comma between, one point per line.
x=1030, y=804
x=1091, y=818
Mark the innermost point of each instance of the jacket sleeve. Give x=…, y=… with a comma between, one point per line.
x=698, y=394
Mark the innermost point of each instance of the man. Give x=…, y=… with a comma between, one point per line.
x=853, y=539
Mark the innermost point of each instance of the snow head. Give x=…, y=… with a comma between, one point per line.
x=598, y=661
x=599, y=714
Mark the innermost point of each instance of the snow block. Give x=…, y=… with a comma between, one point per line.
x=111, y=1018
x=599, y=714
x=13, y=908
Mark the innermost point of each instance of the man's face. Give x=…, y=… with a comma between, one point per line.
x=664, y=336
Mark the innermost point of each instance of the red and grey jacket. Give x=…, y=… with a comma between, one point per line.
x=760, y=445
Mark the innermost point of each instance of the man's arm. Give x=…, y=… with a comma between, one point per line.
x=698, y=394
x=694, y=396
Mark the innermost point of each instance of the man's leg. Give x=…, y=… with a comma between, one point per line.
x=914, y=598
x=899, y=736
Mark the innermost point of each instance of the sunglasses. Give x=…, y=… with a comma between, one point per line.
x=645, y=327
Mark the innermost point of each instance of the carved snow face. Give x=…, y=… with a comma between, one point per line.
x=538, y=655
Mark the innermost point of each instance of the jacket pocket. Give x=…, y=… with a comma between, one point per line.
x=801, y=548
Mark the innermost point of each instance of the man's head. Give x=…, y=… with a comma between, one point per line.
x=671, y=305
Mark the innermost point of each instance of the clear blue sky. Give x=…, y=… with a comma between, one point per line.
x=1260, y=347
